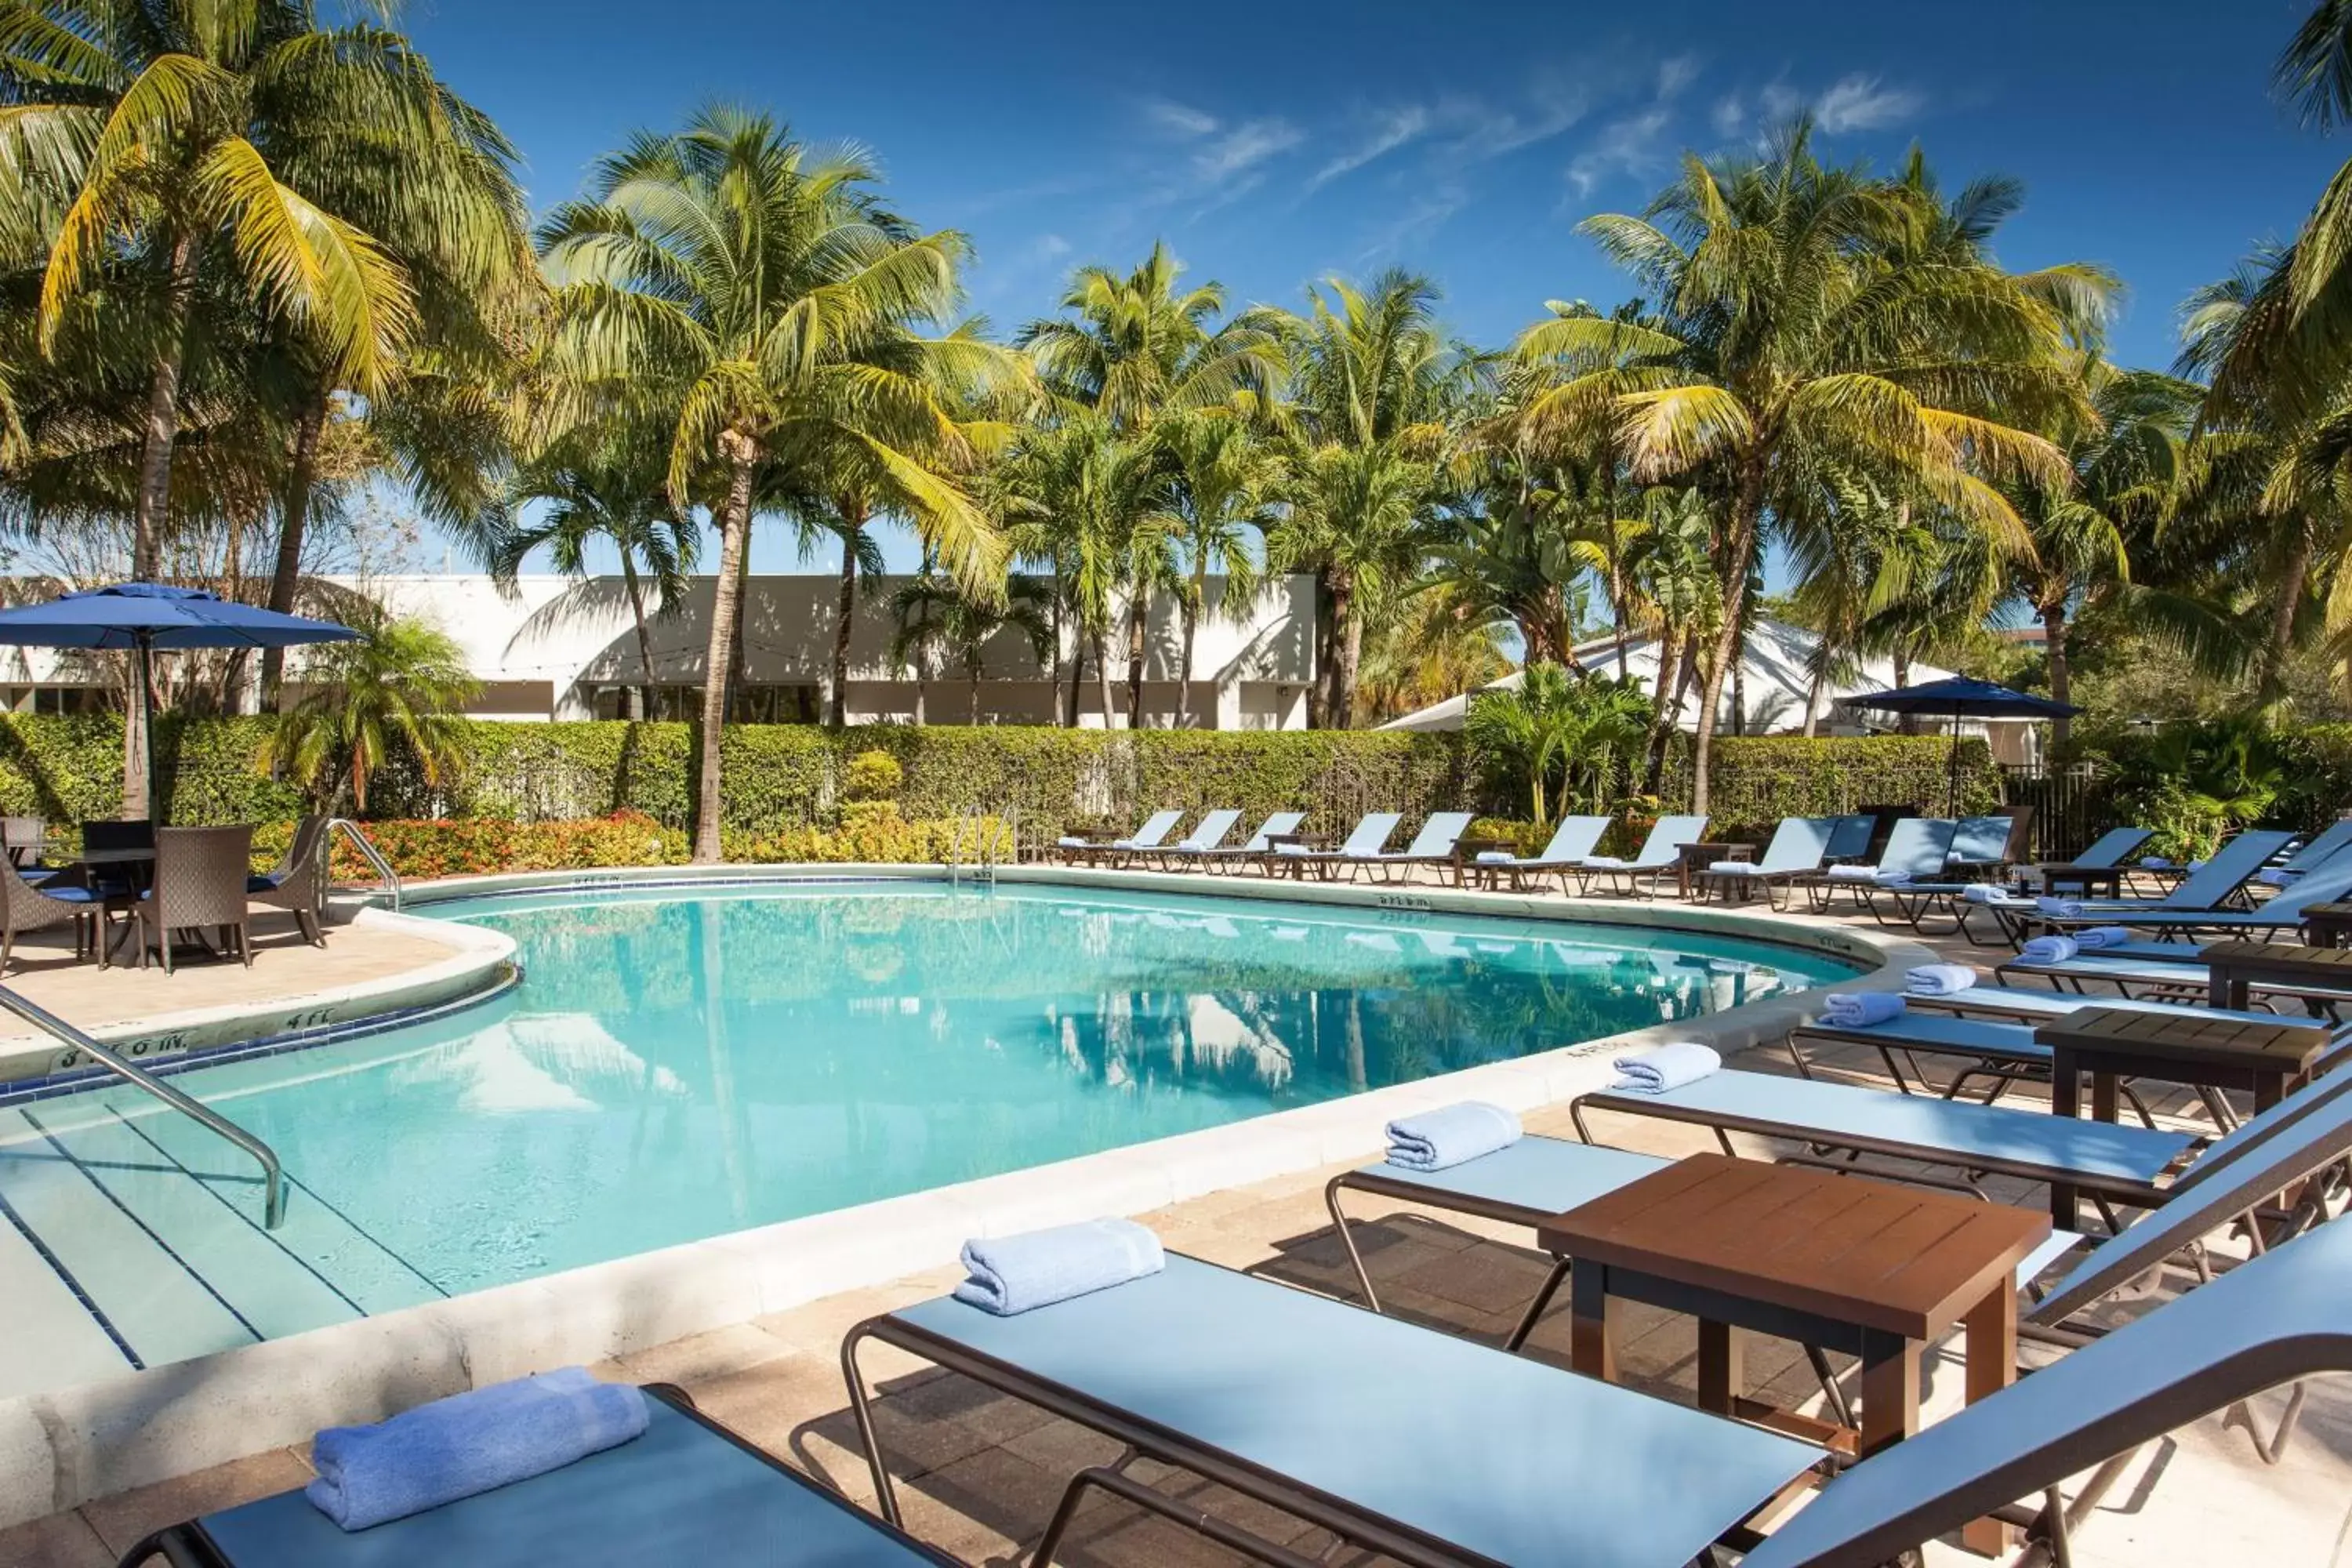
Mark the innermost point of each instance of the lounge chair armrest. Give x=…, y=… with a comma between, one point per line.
x=172, y=1544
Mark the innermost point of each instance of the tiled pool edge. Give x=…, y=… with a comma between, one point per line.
x=60, y=1449
x=478, y=961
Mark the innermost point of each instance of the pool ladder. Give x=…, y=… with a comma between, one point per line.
x=355, y=835
x=273, y=1176
x=975, y=831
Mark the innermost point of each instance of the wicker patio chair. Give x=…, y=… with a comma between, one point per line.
x=24, y=908
x=298, y=884
x=200, y=878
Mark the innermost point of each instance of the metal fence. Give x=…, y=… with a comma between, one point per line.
x=2072, y=805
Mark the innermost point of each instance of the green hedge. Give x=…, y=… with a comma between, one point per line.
x=786, y=779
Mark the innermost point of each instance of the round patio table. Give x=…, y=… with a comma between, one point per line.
x=127, y=860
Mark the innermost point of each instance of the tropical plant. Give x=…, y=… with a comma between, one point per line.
x=763, y=297
x=602, y=489
x=1563, y=738
x=1815, y=320
x=1132, y=348
x=937, y=618
x=400, y=688
x=1225, y=486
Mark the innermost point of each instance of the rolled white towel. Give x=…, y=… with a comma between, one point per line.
x=1005, y=1275
x=1940, y=979
x=1732, y=868
x=2049, y=950
x=1434, y=1140
x=1604, y=862
x=1069, y=844
x=1892, y=878
x=1853, y=873
x=1988, y=894
x=1858, y=1009
x=2096, y=937
x=1496, y=857
x=1667, y=1067
x=2063, y=908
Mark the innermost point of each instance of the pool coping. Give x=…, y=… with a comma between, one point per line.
x=67, y=1447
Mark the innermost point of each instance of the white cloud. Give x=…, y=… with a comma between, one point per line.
x=1730, y=115
x=1427, y=213
x=1393, y=129
x=1676, y=74
x=1244, y=148
x=1859, y=103
x=1049, y=247
x=1491, y=133
x=1629, y=146
x=1179, y=120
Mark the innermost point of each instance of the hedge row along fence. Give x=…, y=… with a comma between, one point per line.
x=783, y=782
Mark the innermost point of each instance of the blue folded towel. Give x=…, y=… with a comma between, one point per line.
x=2096, y=937
x=1666, y=1068
x=467, y=1444
x=1606, y=862
x=2061, y=909
x=1987, y=893
x=2279, y=877
x=1940, y=979
x=2050, y=950
x=1856, y=1009
x=1013, y=1274
x=1432, y=1140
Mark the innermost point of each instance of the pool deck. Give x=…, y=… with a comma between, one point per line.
x=979, y=1474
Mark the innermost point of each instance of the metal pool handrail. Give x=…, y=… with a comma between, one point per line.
x=273, y=1210
x=368, y=852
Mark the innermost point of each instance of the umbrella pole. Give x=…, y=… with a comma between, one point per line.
x=147, y=719
x=1952, y=795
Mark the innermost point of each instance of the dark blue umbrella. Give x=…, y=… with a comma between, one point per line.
x=141, y=618
x=1961, y=698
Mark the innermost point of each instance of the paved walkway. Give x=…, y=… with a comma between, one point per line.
x=979, y=1474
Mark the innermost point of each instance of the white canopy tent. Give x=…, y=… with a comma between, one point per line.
x=1774, y=689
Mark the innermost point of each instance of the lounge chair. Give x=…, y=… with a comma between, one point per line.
x=1850, y=839
x=2309, y=856
x=1415, y=1445
x=1434, y=1450
x=2105, y=857
x=1149, y=837
x=2281, y=911
x=1799, y=847
x=1914, y=849
x=1252, y=850
x=1660, y=853
x=1205, y=837
x=2112, y=1164
x=1533, y=1181
x=1363, y=841
x=1572, y=842
x=688, y=1490
x=2035, y=1004
x=1433, y=846
x=1981, y=845
x=2277, y=1319
x=2212, y=886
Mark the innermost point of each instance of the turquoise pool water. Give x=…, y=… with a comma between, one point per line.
x=680, y=1064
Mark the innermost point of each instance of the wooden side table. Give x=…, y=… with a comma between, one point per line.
x=2114, y=1043
x=2084, y=881
x=1870, y=1268
x=2328, y=925
x=2234, y=966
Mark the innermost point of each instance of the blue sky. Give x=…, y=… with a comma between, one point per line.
x=1273, y=145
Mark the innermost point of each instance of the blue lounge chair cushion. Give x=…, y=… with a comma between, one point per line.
x=1939, y=1033
x=1543, y=1176
x=2033, y=1002
x=679, y=1493
x=1957, y=1131
x=1497, y=1455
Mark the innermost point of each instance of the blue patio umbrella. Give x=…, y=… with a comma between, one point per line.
x=1961, y=698
x=144, y=617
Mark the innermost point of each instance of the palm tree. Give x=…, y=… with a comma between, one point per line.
x=1133, y=348
x=936, y=616
x=602, y=487
x=1373, y=384
x=402, y=686
x=1226, y=480
x=761, y=295
x=1815, y=320
x=1436, y=645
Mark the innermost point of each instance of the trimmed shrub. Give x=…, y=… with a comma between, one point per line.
x=1759, y=779
x=872, y=775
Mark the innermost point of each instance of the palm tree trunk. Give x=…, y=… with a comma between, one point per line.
x=2292, y=576
x=1813, y=701
x=1102, y=672
x=1661, y=712
x=1077, y=671
x=734, y=545
x=644, y=694
x=971, y=668
x=294, y=521
x=1350, y=637
x=1327, y=661
x=1738, y=695
x=1190, y=610
x=1138, y=613
x=853, y=517
x=1909, y=724
x=2062, y=678
x=1747, y=517
x=163, y=423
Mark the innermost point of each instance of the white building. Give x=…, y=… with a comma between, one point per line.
x=561, y=648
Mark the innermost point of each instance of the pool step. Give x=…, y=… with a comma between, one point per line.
x=149, y=1231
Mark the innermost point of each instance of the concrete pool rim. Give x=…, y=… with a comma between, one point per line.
x=64, y=1448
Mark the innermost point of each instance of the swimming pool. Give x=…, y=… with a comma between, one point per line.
x=682, y=1063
